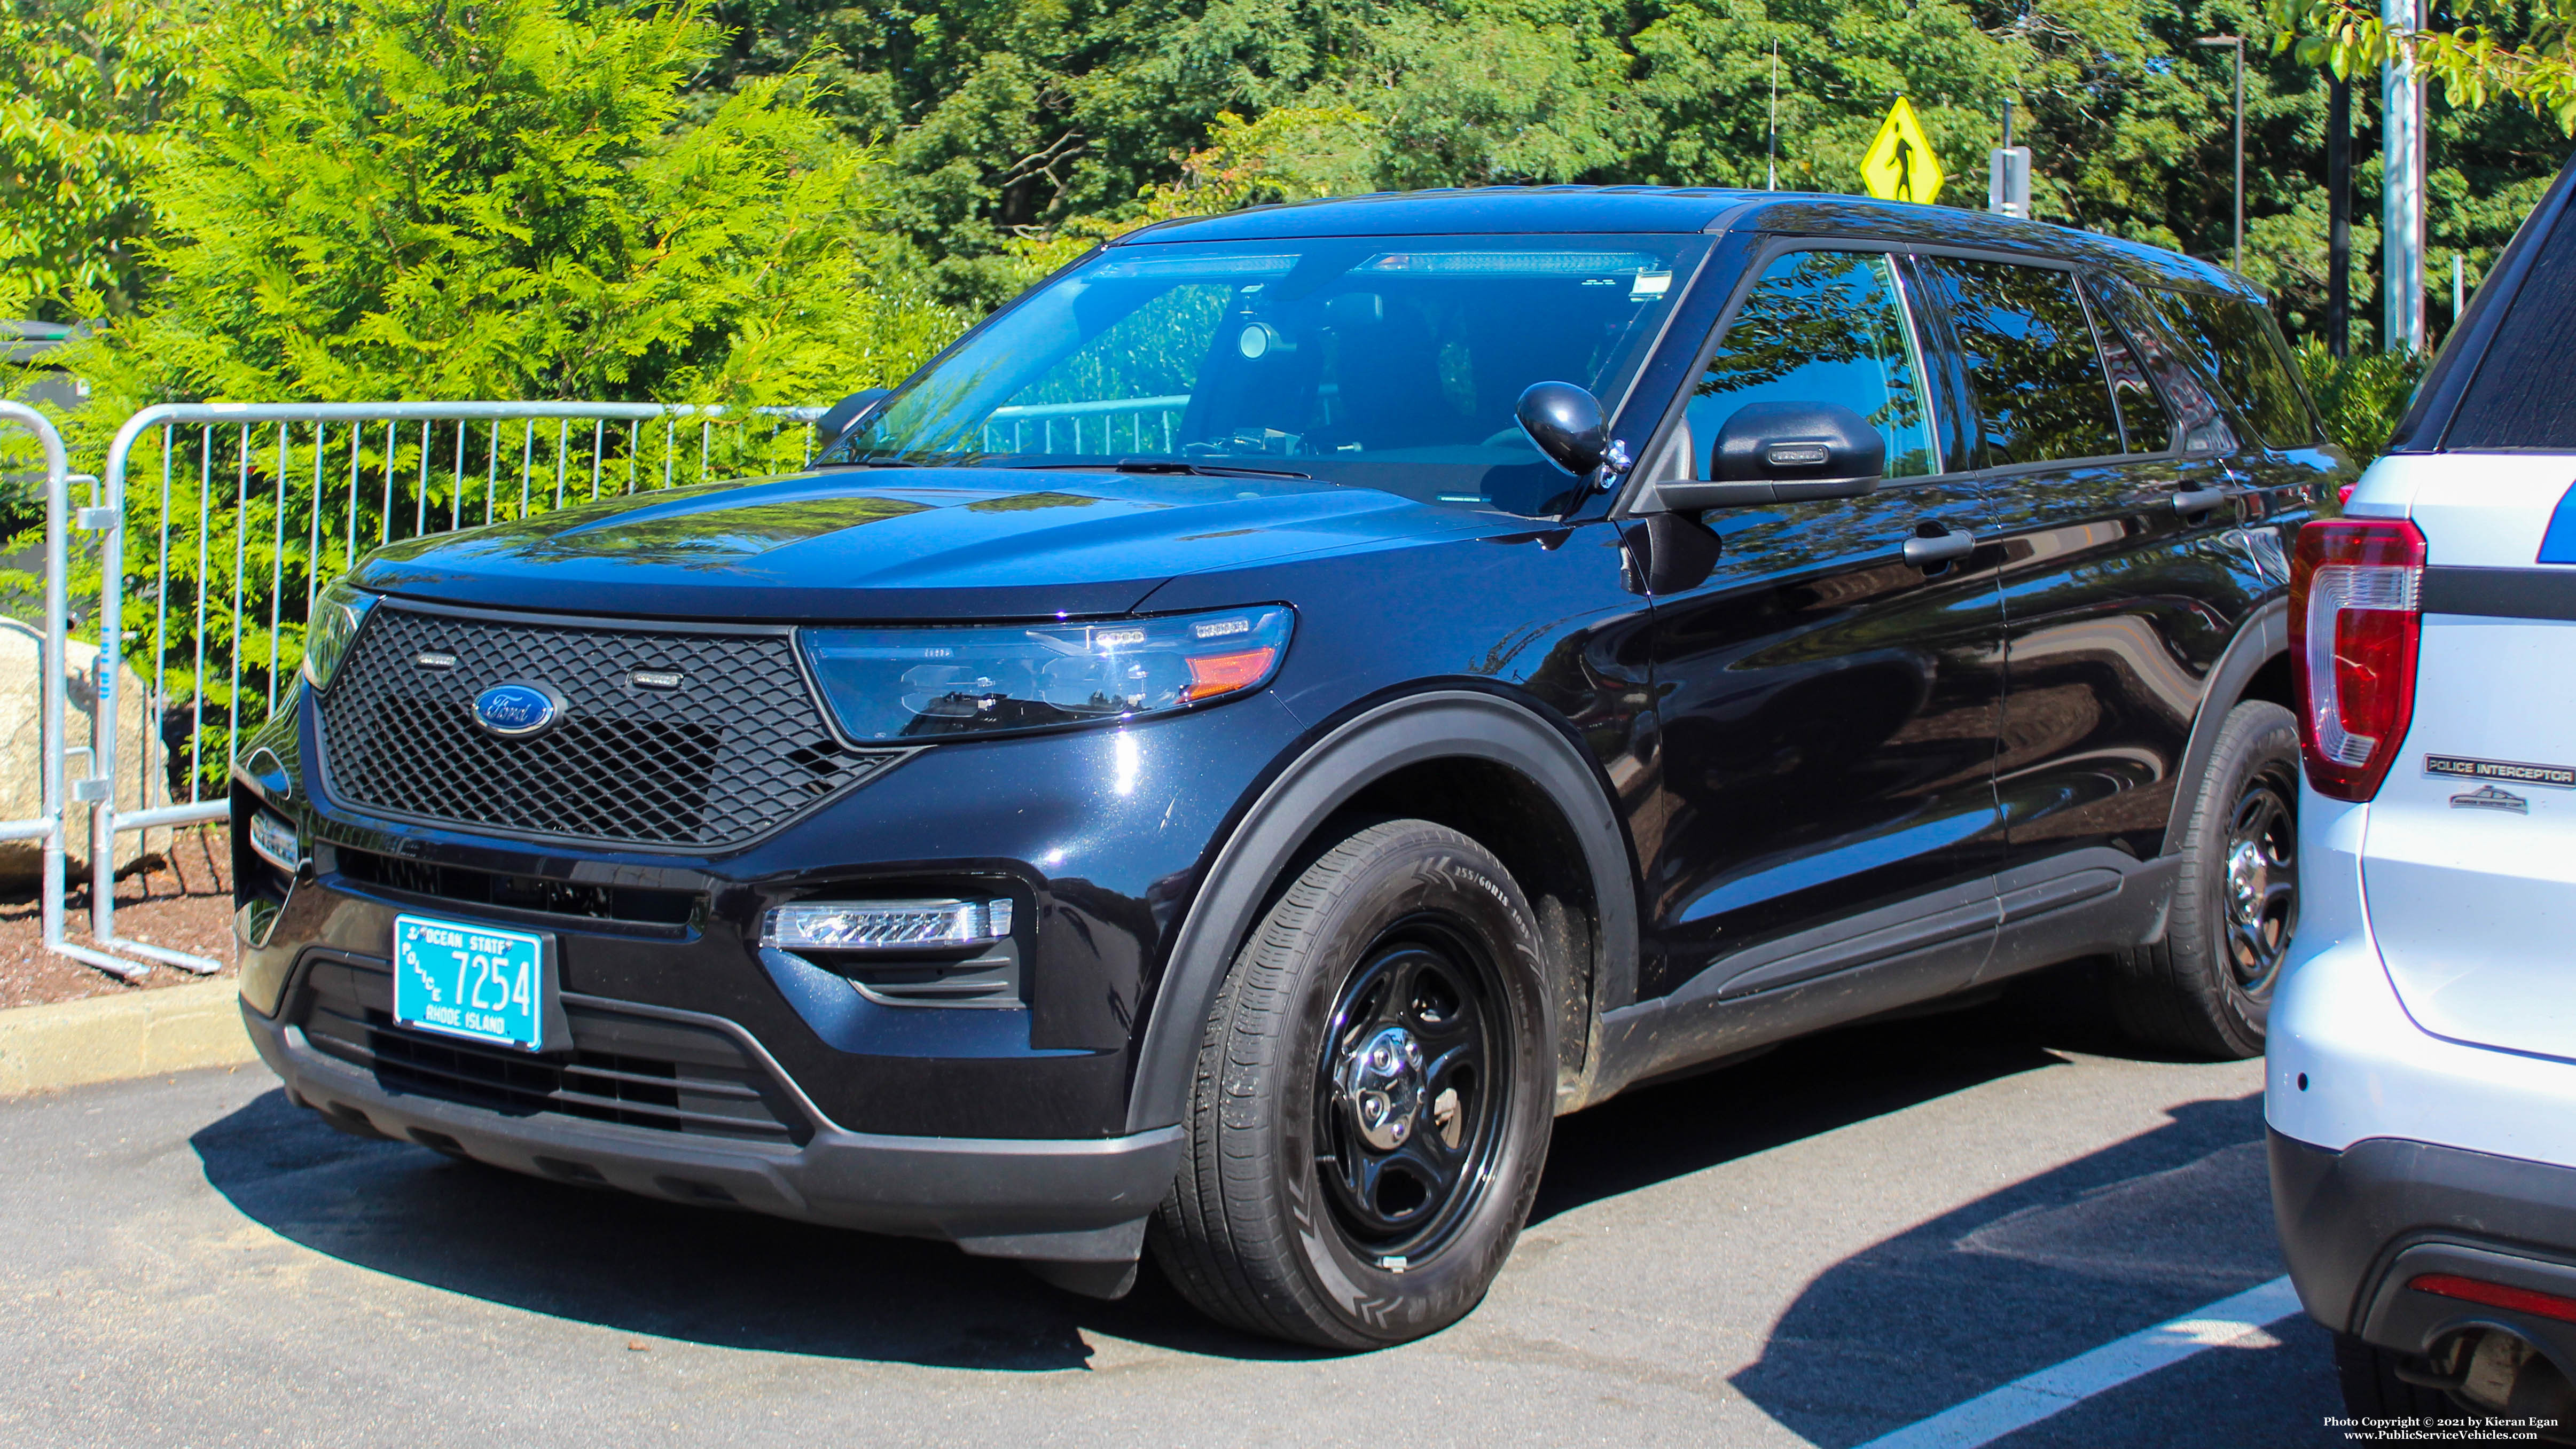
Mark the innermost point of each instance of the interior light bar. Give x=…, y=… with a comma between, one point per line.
x=885, y=925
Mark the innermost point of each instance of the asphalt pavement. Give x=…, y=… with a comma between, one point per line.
x=1817, y=1247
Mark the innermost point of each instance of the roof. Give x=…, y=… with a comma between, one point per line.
x=1544, y=209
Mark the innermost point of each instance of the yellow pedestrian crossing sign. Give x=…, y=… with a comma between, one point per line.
x=1899, y=165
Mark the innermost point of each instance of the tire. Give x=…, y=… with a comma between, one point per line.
x=2206, y=988
x=2372, y=1389
x=1387, y=1023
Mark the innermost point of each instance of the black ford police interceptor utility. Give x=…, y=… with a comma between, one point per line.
x=1224, y=755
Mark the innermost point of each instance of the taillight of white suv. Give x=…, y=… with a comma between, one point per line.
x=2355, y=622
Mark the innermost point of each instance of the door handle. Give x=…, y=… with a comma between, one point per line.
x=2199, y=500
x=1940, y=548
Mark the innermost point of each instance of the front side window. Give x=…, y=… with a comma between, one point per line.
x=1387, y=362
x=2232, y=341
x=1821, y=327
x=2041, y=391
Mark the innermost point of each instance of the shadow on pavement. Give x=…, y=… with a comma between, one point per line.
x=1812, y=1085
x=2046, y=1269
x=638, y=1266
x=643, y=1267
x=2049, y=1268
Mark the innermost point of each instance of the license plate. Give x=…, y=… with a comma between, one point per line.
x=477, y=982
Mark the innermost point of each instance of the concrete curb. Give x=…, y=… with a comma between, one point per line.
x=110, y=1038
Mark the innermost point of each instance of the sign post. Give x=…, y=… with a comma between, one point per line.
x=1899, y=165
x=2008, y=175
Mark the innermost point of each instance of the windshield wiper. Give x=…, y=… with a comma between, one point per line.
x=1163, y=465
x=860, y=463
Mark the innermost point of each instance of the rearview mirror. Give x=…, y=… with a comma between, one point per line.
x=1784, y=452
x=846, y=413
x=1566, y=423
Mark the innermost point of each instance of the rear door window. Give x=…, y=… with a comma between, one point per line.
x=1821, y=327
x=2145, y=422
x=2200, y=427
x=2042, y=393
x=2235, y=345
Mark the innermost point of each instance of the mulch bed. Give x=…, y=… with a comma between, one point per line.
x=183, y=900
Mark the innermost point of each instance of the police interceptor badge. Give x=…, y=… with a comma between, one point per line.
x=2456, y=767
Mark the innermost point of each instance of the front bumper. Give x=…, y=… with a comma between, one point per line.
x=1095, y=835
x=706, y=1068
x=2358, y=1226
x=1082, y=1200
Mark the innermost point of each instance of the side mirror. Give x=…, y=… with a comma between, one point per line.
x=844, y=414
x=1566, y=423
x=1780, y=452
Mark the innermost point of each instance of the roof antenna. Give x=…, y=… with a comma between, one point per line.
x=1772, y=167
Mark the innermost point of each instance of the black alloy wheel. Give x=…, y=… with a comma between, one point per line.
x=2206, y=988
x=2262, y=888
x=1373, y=1098
x=1405, y=1121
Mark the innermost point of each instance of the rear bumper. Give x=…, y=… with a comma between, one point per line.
x=2359, y=1225
x=1058, y=1200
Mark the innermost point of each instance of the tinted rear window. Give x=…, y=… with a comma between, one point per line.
x=2236, y=348
x=2524, y=392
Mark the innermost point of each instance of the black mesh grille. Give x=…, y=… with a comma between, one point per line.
x=632, y=1070
x=737, y=749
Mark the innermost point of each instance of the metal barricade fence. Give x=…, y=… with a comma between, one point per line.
x=53, y=694
x=217, y=525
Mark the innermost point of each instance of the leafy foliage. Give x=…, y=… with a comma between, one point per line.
x=2364, y=396
x=1017, y=132
x=83, y=91
x=2493, y=48
x=372, y=198
x=361, y=199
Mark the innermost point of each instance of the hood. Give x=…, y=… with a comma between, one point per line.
x=912, y=544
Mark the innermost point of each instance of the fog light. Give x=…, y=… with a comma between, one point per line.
x=273, y=840
x=885, y=925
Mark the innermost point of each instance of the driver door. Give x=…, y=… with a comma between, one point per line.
x=1829, y=707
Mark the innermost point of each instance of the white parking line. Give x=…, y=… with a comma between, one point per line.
x=2053, y=1390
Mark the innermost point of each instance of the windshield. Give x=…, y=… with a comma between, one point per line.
x=1389, y=363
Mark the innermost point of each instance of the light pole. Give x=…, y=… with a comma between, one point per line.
x=2401, y=188
x=2236, y=254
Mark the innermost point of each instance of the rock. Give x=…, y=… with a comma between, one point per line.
x=22, y=781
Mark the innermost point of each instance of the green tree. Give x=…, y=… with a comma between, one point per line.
x=423, y=198
x=1015, y=127
x=2476, y=50
x=83, y=91
x=364, y=199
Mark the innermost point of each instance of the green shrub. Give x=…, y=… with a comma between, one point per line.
x=369, y=199
x=2364, y=395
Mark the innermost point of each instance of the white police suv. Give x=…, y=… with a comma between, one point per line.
x=2421, y=1083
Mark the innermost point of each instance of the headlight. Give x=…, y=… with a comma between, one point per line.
x=337, y=612
x=889, y=684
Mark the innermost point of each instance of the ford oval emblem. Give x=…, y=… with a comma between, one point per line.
x=513, y=711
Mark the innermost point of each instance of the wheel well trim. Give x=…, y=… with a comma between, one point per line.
x=1415, y=729
x=2262, y=638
